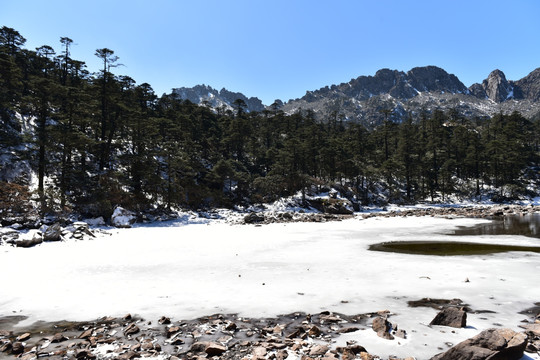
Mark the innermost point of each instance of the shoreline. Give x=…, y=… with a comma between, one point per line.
x=326, y=335
x=471, y=211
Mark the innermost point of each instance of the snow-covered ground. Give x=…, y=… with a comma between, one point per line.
x=187, y=271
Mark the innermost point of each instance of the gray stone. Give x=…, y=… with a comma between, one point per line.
x=254, y=218
x=491, y=344
x=53, y=233
x=381, y=324
x=453, y=317
x=318, y=350
x=131, y=329
x=17, y=348
x=26, y=243
x=210, y=348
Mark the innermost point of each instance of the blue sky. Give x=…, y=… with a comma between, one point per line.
x=279, y=49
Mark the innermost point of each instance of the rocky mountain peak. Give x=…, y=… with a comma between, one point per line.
x=201, y=94
x=433, y=78
x=496, y=86
x=529, y=86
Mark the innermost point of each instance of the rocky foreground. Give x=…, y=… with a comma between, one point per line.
x=293, y=336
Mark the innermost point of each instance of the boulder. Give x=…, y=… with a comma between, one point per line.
x=381, y=324
x=259, y=352
x=342, y=207
x=53, y=233
x=210, y=348
x=314, y=331
x=24, y=337
x=451, y=316
x=164, y=320
x=253, y=218
x=533, y=329
x=490, y=344
x=58, y=337
x=123, y=218
x=5, y=345
x=318, y=350
x=26, y=243
x=17, y=348
x=131, y=329
x=382, y=327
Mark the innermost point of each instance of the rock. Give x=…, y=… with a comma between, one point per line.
x=9, y=235
x=123, y=218
x=129, y=355
x=534, y=329
x=453, y=317
x=24, y=337
x=259, y=351
x=5, y=346
x=401, y=333
x=281, y=355
x=254, y=218
x=215, y=349
x=171, y=330
x=348, y=330
x=147, y=345
x=84, y=354
x=298, y=333
x=503, y=344
x=59, y=337
x=17, y=348
x=341, y=207
x=210, y=348
x=318, y=350
x=86, y=334
x=385, y=335
x=164, y=320
x=382, y=327
x=53, y=233
x=367, y=356
x=533, y=346
x=350, y=352
x=26, y=243
x=131, y=329
x=436, y=304
x=314, y=331
x=381, y=324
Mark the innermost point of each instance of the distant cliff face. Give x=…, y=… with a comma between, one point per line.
x=203, y=94
x=369, y=99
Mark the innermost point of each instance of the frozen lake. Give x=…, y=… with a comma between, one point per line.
x=187, y=271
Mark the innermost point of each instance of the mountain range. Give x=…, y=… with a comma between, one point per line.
x=396, y=94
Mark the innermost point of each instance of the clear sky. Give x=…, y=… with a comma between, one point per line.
x=278, y=49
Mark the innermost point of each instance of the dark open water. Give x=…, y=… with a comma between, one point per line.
x=527, y=225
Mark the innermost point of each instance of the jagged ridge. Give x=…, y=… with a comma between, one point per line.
x=367, y=98
x=201, y=94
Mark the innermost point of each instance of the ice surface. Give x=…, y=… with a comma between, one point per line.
x=187, y=271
